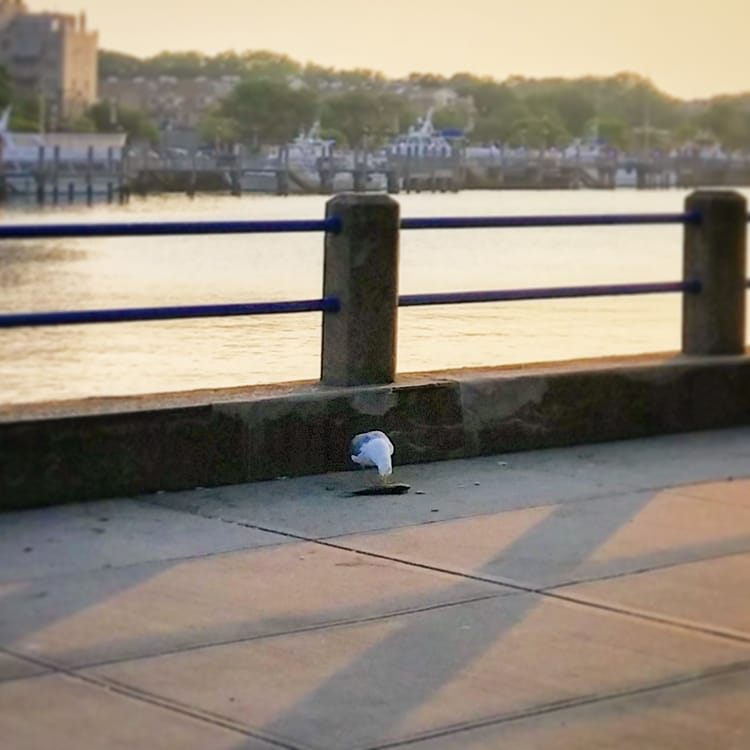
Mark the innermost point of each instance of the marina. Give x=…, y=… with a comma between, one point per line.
x=69, y=167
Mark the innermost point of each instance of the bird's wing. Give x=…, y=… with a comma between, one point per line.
x=377, y=452
x=361, y=440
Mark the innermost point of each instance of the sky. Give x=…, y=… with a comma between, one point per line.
x=688, y=50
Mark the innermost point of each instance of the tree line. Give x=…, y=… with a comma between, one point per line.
x=276, y=97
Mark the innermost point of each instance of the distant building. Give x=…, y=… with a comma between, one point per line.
x=429, y=98
x=50, y=55
x=169, y=102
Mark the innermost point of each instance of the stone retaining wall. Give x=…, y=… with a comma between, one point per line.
x=99, y=448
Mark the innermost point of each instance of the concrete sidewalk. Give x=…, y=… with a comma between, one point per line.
x=584, y=597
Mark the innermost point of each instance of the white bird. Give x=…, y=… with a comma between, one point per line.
x=373, y=449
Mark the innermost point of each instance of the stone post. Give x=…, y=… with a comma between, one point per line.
x=40, y=176
x=361, y=270
x=90, y=174
x=55, y=173
x=713, y=320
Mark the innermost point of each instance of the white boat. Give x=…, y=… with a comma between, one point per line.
x=302, y=159
x=423, y=140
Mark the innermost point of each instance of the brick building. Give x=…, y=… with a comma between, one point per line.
x=50, y=55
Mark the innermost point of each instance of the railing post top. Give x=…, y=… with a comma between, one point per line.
x=359, y=199
x=715, y=195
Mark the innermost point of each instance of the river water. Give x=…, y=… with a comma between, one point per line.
x=128, y=358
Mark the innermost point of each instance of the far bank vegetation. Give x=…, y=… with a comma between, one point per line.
x=275, y=98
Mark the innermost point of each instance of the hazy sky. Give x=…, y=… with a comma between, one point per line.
x=688, y=49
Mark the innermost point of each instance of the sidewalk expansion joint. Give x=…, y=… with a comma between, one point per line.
x=329, y=625
x=562, y=705
x=544, y=591
x=379, y=556
x=638, y=614
x=655, y=567
x=152, y=699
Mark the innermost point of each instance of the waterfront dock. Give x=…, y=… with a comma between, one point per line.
x=53, y=181
x=581, y=597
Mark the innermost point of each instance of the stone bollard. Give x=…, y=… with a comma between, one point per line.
x=713, y=320
x=361, y=270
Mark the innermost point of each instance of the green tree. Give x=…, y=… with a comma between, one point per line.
x=427, y=80
x=267, y=111
x=450, y=117
x=539, y=131
x=728, y=122
x=271, y=65
x=361, y=78
x=272, y=104
x=364, y=114
x=500, y=125
x=26, y=114
x=219, y=130
x=574, y=108
x=81, y=124
x=118, y=64
x=613, y=132
x=224, y=64
x=354, y=113
x=177, y=64
x=136, y=124
x=6, y=88
x=319, y=76
x=491, y=99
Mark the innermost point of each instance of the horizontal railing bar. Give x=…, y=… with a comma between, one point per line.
x=139, y=314
x=570, y=220
x=331, y=224
x=331, y=304
x=512, y=295
x=151, y=228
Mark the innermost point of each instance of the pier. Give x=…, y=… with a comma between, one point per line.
x=438, y=170
x=56, y=178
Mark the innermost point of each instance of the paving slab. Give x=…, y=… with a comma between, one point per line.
x=87, y=536
x=162, y=607
x=736, y=491
x=708, y=594
x=649, y=463
x=365, y=684
x=64, y=713
x=574, y=541
x=13, y=668
x=705, y=714
x=320, y=506
x=212, y=619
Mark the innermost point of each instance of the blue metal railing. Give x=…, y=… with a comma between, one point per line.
x=332, y=225
x=154, y=228
x=140, y=314
x=565, y=220
x=562, y=292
